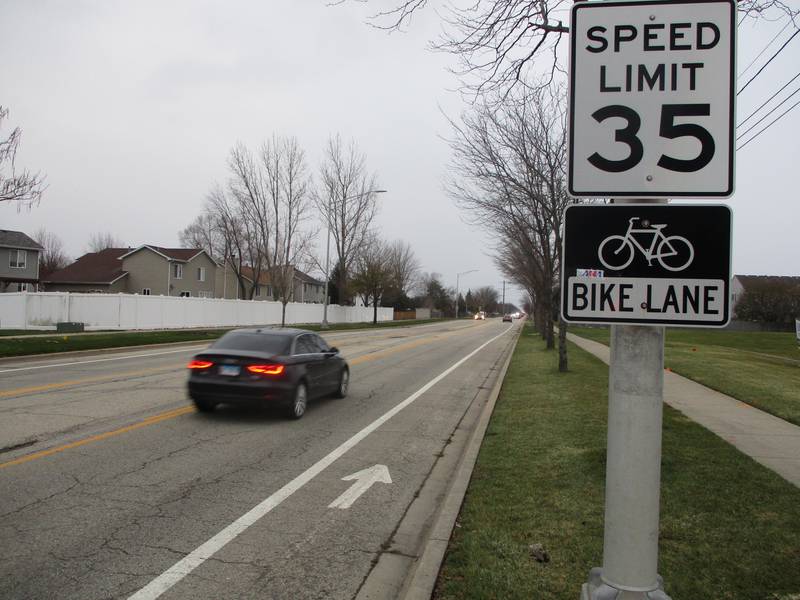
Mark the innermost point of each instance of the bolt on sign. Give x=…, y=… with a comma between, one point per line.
x=640, y=264
x=652, y=90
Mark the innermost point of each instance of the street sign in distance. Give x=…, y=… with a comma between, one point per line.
x=647, y=264
x=652, y=90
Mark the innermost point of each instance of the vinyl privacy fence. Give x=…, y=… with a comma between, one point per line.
x=26, y=310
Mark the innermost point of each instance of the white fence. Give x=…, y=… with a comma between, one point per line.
x=25, y=310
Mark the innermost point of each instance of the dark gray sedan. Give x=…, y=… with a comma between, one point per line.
x=255, y=366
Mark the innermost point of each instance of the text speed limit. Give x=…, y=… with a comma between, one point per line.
x=651, y=99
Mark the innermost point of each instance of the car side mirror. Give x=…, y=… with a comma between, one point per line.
x=333, y=350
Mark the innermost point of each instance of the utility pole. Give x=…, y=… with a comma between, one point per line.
x=504, y=296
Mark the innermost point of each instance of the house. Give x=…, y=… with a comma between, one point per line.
x=308, y=289
x=304, y=287
x=188, y=272
x=153, y=270
x=19, y=262
x=145, y=270
x=95, y=272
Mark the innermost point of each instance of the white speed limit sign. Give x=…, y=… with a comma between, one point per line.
x=652, y=98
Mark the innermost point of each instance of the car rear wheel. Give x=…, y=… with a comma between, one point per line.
x=344, y=383
x=299, y=402
x=204, y=405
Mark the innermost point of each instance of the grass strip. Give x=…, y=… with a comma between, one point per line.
x=759, y=368
x=37, y=344
x=730, y=528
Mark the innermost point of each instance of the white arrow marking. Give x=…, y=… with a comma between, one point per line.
x=364, y=480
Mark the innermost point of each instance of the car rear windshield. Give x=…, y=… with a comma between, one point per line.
x=258, y=342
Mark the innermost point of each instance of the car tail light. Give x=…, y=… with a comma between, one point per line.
x=266, y=369
x=200, y=364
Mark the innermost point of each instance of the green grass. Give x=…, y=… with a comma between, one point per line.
x=759, y=368
x=730, y=528
x=68, y=342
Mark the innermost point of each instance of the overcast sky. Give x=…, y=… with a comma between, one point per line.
x=130, y=109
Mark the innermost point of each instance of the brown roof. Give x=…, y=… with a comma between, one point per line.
x=95, y=267
x=264, y=278
x=181, y=254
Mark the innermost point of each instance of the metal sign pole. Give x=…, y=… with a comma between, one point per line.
x=633, y=465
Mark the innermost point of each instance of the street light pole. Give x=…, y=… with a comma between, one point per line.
x=457, y=277
x=324, y=324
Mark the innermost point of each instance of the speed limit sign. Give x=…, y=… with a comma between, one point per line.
x=652, y=98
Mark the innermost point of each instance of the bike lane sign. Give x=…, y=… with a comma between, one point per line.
x=641, y=264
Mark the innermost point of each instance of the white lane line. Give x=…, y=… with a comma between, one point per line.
x=98, y=360
x=198, y=556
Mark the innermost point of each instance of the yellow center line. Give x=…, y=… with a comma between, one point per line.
x=101, y=436
x=96, y=379
x=176, y=412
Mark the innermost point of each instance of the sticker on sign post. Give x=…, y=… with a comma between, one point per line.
x=652, y=90
x=646, y=264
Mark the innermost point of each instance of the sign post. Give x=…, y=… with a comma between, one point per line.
x=652, y=116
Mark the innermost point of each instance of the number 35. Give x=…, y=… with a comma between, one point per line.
x=669, y=129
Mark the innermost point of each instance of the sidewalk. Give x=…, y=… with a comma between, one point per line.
x=767, y=439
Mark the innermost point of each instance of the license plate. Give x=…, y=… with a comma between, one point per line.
x=229, y=370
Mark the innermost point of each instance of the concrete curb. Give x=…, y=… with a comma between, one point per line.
x=422, y=580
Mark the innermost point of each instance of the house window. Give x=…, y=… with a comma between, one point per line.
x=22, y=287
x=205, y=294
x=201, y=273
x=17, y=259
x=186, y=294
x=145, y=291
x=177, y=271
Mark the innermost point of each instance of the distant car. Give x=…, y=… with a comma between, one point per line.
x=507, y=319
x=480, y=315
x=259, y=366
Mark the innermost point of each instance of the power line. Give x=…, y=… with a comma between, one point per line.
x=769, y=61
x=739, y=24
x=752, y=114
x=768, y=126
x=754, y=125
x=764, y=49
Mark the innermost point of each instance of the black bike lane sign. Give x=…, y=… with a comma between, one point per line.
x=647, y=264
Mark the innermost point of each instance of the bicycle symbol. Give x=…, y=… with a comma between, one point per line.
x=673, y=252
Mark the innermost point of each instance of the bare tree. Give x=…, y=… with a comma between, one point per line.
x=404, y=266
x=372, y=274
x=509, y=175
x=204, y=232
x=101, y=240
x=346, y=196
x=223, y=212
x=485, y=298
x=497, y=43
x=22, y=187
x=288, y=186
x=52, y=258
x=254, y=223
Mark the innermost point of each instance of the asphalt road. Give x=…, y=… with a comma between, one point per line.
x=112, y=486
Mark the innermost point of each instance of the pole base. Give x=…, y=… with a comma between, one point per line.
x=324, y=325
x=597, y=589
